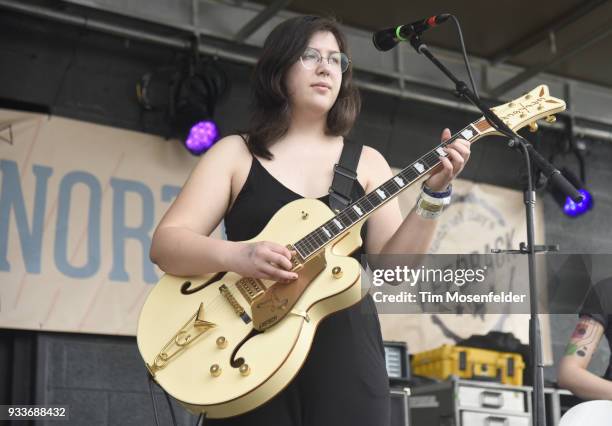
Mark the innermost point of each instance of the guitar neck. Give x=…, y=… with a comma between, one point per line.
x=360, y=209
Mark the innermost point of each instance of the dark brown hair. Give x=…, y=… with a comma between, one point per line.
x=270, y=100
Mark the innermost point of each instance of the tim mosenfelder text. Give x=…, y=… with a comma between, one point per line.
x=424, y=275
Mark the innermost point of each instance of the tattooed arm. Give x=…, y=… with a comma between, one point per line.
x=573, y=373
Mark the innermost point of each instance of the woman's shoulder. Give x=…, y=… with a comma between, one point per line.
x=373, y=167
x=372, y=159
x=372, y=155
x=230, y=145
x=231, y=150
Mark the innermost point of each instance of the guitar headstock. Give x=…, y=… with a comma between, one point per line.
x=526, y=110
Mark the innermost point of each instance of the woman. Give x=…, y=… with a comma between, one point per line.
x=594, y=323
x=304, y=105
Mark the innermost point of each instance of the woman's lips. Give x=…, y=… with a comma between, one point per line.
x=321, y=87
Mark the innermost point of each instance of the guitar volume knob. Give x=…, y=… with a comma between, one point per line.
x=337, y=272
x=245, y=370
x=221, y=342
x=215, y=370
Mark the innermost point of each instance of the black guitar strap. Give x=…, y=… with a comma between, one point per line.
x=345, y=175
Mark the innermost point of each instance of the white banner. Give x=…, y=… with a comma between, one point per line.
x=79, y=203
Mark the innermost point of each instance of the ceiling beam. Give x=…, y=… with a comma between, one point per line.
x=260, y=19
x=229, y=52
x=542, y=34
x=571, y=50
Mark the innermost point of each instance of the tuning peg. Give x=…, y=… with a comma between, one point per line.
x=551, y=119
x=533, y=126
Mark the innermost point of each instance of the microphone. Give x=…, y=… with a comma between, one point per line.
x=387, y=39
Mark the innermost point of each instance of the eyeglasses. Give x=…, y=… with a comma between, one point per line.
x=312, y=57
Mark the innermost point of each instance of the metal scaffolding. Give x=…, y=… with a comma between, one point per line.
x=227, y=49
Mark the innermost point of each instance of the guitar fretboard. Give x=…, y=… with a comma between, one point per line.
x=366, y=205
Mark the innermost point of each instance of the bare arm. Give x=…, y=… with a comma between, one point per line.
x=388, y=233
x=181, y=243
x=387, y=230
x=572, y=373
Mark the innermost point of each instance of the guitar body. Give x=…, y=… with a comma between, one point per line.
x=593, y=413
x=180, y=354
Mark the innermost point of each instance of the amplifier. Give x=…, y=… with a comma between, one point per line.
x=458, y=402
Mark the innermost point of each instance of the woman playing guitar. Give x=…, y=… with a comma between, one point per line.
x=305, y=104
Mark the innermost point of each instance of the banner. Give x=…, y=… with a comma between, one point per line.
x=78, y=206
x=79, y=203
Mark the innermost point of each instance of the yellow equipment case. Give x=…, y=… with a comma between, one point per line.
x=469, y=363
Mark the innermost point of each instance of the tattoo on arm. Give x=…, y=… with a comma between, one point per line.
x=584, y=335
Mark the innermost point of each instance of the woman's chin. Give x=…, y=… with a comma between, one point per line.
x=319, y=106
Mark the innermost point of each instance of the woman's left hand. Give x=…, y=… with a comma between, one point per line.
x=452, y=164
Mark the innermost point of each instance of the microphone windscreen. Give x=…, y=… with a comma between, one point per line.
x=384, y=39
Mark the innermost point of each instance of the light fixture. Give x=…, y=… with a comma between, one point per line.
x=202, y=136
x=571, y=146
x=186, y=93
x=571, y=208
x=194, y=93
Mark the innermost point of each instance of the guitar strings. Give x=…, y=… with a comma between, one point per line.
x=389, y=186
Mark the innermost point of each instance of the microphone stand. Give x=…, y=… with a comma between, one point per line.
x=557, y=179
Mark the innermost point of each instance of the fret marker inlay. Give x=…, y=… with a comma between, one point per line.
x=358, y=210
x=381, y=193
x=441, y=152
x=338, y=224
x=399, y=181
x=419, y=167
x=467, y=134
x=326, y=232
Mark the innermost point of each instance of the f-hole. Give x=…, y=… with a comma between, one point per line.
x=185, y=288
x=236, y=363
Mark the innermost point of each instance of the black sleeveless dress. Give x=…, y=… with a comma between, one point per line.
x=344, y=380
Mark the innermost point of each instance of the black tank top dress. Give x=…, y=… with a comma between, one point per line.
x=343, y=381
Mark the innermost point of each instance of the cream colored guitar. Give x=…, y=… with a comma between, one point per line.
x=592, y=413
x=224, y=344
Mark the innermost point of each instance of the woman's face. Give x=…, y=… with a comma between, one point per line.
x=315, y=87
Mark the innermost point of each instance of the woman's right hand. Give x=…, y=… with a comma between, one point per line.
x=264, y=260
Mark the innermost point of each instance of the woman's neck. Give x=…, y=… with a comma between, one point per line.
x=307, y=126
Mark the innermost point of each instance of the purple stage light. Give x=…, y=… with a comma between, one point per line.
x=573, y=209
x=201, y=137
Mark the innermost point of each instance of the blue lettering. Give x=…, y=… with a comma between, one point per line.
x=11, y=198
x=169, y=192
x=92, y=265
x=121, y=232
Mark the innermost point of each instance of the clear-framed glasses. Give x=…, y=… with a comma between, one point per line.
x=312, y=57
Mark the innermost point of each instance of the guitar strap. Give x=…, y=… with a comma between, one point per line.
x=345, y=175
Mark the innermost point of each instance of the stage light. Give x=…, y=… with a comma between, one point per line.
x=570, y=208
x=186, y=93
x=195, y=89
x=193, y=105
x=573, y=209
x=201, y=137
